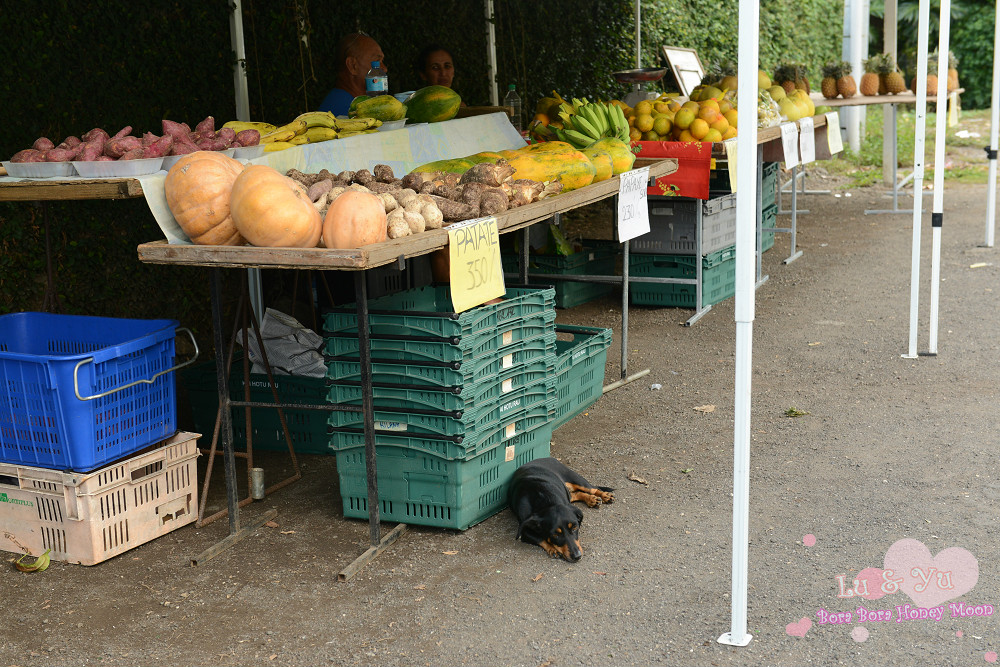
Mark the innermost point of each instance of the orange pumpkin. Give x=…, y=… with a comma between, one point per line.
x=197, y=189
x=354, y=219
x=272, y=210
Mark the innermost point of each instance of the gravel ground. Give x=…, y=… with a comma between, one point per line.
x=888, y=449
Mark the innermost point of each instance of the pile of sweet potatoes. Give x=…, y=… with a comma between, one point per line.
x=177, y=139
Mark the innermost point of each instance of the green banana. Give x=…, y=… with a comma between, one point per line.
x=585, y=127
x=578, y=139
x=567, y=120
x=318, y=119
x=622, y=124
x=597, y=119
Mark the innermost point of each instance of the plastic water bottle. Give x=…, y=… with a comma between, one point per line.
x=377, y=80
x=512, y=100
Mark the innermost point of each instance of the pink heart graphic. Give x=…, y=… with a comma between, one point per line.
x=800, y=628
x=931, y=581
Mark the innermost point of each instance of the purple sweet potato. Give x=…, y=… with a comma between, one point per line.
x=247, y=137
x=226, y=134
x=91, y=150
x=94, y=134
x=207, y=125
x=29, y=155
x=104, y=158
x=183, y=147
x=62, y=154
x=212, y=145
x=160, y=147
x=148, y=139
x=133, y=154
x=71, y=142
x=176, y=130
x=124, y=132
x=43, y=144
x=116, y=148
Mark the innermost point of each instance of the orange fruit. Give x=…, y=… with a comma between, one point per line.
x=730, y=133
x=686, y=136
x=634, y=134
x=721, y=124
x=683, y=118
x=712, y=135
x=708, y=114
x=692, y=105
x=699, y=128
x=650, y=136
x=710, y=104
x=643, y=108
x=662, y=125
x=660, y=107
x=724, y=106
x=644, y=122
x=731, y=117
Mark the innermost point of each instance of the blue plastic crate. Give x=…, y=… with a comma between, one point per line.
x=44, y=424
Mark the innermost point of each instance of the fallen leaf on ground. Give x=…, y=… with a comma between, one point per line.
x=636, y=478
x=979, y=265
x=795, y=412
x=288, y=532
x=537, y=577
x=420, y=587
x=272, y=656
x=271, y=524
x=815, y=343
x=705, y=408
x=449, y=553
x=686, y=470
x=600, y=573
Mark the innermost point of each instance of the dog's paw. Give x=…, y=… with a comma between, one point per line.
x=605, y=496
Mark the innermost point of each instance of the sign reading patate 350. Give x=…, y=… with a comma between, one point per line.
x=476, y=272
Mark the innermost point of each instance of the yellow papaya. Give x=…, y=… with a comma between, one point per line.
x=485, y=156
x=602, y=162
x=571, y=168
x=621, y=154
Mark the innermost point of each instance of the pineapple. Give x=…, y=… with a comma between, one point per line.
x=784, y=76
x=952, y=72
x=831, y=71
x=870, y=79
x=801, y=74
x=891, y=77
x=845, y=82
x=932, y=79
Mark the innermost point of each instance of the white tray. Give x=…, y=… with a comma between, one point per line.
x=118, y=168
x=39, y=169
x=249, y=152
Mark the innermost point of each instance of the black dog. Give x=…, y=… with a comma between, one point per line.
x=541, y=496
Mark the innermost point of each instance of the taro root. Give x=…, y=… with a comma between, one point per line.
x=305, y=179
x=427, y=187
x=453, y=211
x=363, y=177
x=492, y=202
x=471, y=193
x=383, y=173
x=488, y=173
x=447, y=191
x=378, y=187
x=551, y=188
x=414, y=180
x=522, y=191
x=346, y=176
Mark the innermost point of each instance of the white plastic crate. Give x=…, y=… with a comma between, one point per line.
x=90, y=517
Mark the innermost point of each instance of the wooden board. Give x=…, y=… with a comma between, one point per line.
x=77, y=188
x=378, y=254
x=869, y=100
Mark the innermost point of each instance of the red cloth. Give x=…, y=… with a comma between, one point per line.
x=694, y=161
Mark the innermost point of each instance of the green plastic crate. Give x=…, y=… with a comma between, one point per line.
x=769, y=220
x=718, y=279
x=448, y=448
x=527, y=355
x=580, y=364
x=536, y=399
x=597, y=258
x=420, y=488
x=718, y=184
x=472, y=348
x=307, y=428
x=427, y=311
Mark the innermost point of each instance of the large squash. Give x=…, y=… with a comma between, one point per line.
x=568, y=166
x=354, y=219
x=272, y=210
x=197, y=189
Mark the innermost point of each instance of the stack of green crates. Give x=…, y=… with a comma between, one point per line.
x=718, y=184
x=595, y=258
x=307, y=428
x=769, y=220
x=718, y=279
x=461, y=401
x=580, y=361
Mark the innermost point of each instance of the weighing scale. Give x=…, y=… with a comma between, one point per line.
x=637, y=77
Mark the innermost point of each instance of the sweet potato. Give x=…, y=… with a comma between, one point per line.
x=176, y=130
x=62, y=154
x=159, y=148
x=91, y=150
x=43, y=144
x=94, y=134
x=148, y=139
x=247, y=137
x=124, y=132
x=320, y=188
x=183, y=147
x=133, y=154
x=207, y=125
x=211, y=144
x=433, y=218
x=396, y=225
x=226, y=134
x=115, y=148
x=28, y=155
x=71, y=141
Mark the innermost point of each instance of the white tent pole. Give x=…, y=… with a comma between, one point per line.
x=638, y=35
x=919, y=133
x=991, y=183
x=491, y=51
x=937, y=214
x=857, y=38
x=889, y=118
x=746, y=264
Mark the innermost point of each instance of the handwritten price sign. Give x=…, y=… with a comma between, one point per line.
x=633, y=213
x=476, y=272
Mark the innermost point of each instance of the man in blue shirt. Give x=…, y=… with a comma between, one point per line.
x=355, y=54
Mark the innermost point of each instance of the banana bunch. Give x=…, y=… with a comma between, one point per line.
x=585, y=122
x=308, y=128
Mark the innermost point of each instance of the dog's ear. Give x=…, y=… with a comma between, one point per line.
x=579, y=514
x=532, y=523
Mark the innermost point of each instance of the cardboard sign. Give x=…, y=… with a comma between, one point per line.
x=790, y=144
x=807, y=140
x=476, y=272
x=833, y=138
x=633, y=211
x=730, y=145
